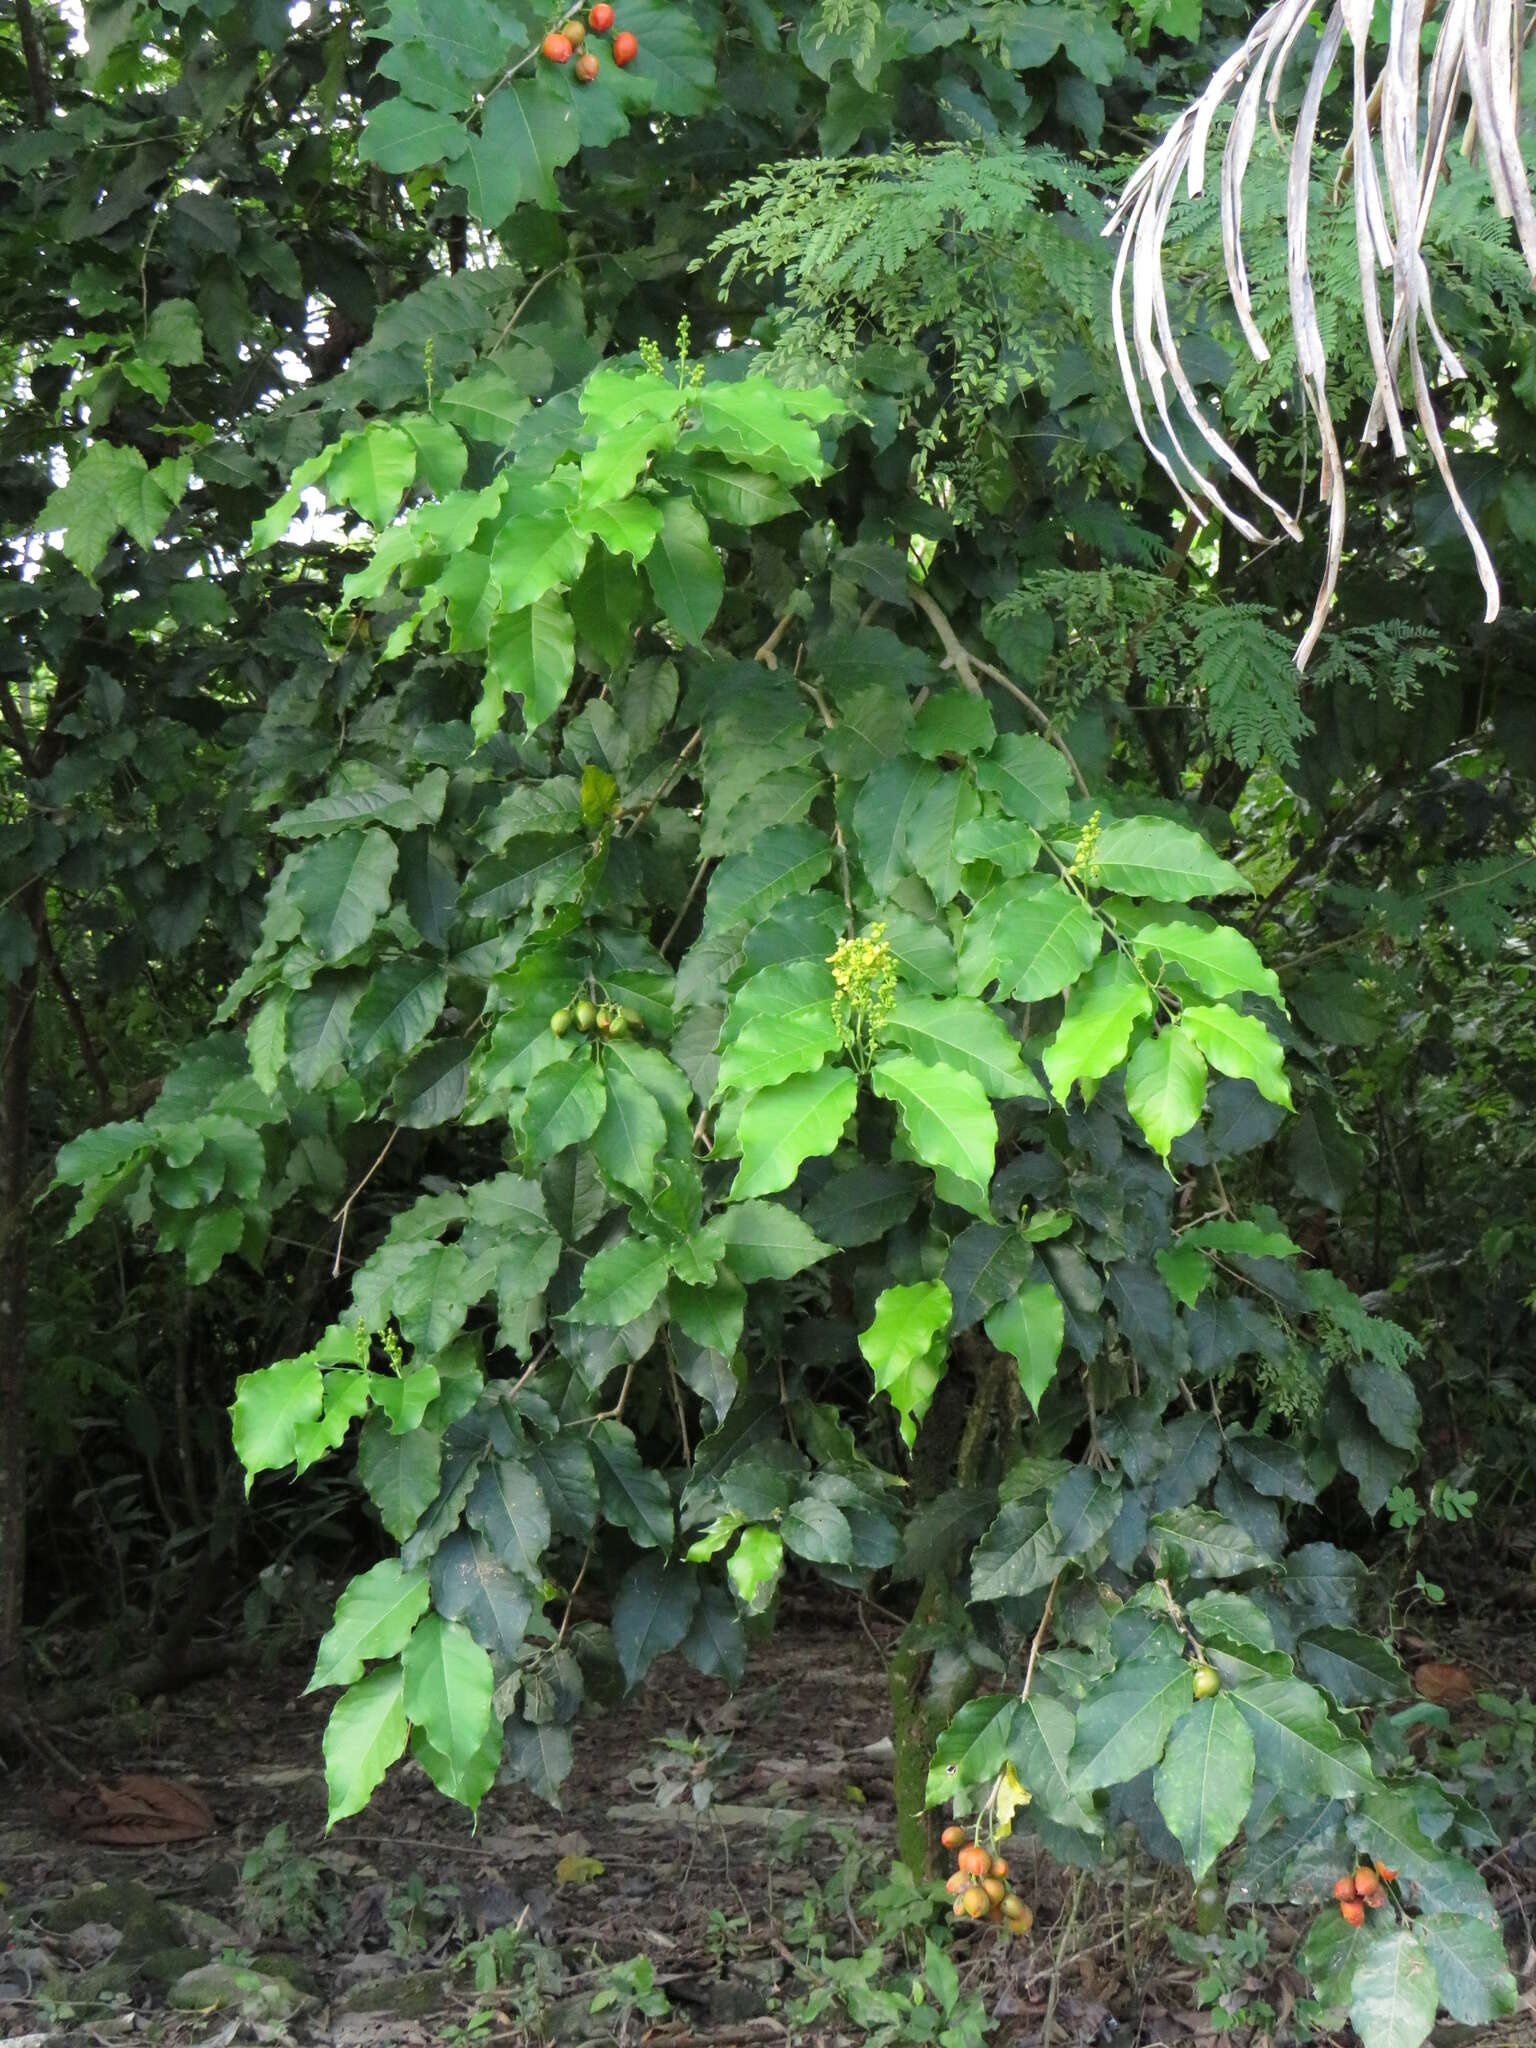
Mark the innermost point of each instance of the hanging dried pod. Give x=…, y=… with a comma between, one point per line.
x=1402, y=128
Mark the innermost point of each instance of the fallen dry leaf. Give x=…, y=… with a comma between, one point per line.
x=1445, y=1685
x=136, y=1812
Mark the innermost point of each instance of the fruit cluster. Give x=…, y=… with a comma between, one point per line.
x=608, y=1020
x=562, y=43
x=1365, y=1886
x=979, y=1885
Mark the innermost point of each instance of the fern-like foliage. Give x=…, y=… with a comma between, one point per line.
x=955, y=278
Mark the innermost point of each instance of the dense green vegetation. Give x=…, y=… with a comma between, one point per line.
x=662, y=911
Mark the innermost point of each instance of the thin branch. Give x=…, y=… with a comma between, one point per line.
x=765, y=654
x=1034, y=1648
x=10, y=712
x=76, y=1016
x=971, y=667
x=570, y=1598
x=346, y=1208
x=37, y=69
x=687, y=903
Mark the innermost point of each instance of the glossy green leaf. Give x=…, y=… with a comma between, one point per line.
x=448, y=1684
x=365, y=1734
x=783, y=1126
x=1241, y=1047
x=620, y=1282
x=1217, y=959
x=685, y=572
x=1032, y=1327
x=958, y=1032
x=944, y=1112
x=1157, y=858
x=904, y=1348
x=1124, y=1723
x=1395, y=1993
x=1032, y=938
x=1165, y=1087
x=374, y=1619
x=531, y=653
x=1204, y=1783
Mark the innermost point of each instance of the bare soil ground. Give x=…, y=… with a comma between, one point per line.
x=360, y=1938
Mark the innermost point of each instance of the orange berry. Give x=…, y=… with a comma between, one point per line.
x=557, y=48
x=625, y=47
x=1384, y=1874
x=1019, y=1916
x=1377, y=1899
x=601, y=17
x=575, y=32
x=1345, y=1888
x=586, y=69
x=1353, y=1911
x=976, y=1902
x=959, y=1909
x=976, y=1860
x=957, y=1883
x=995, y=1889
x=995, y=1914
x=1366, y=1881
x=999, y=1867
x=953, y=1836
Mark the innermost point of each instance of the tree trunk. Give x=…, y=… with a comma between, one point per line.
x=15, y=1073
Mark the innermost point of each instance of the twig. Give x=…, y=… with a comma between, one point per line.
x=346, y=1208
x=668, y=783
x=570, y=1598
x=969, y=667
x=37, y=69
x=76, y=1016
x=1034, y=1648
x=765, y=654
x=687, y=903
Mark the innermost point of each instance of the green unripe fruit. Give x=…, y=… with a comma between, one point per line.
x=560, y=1023
x=618, y=1027
x=605, y=1020
x=1207, y=1682
x=633, y=1019
x=586, y=1015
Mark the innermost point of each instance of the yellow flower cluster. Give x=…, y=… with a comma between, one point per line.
x=1085, y=862
x=864, y=970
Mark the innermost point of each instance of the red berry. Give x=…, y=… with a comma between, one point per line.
x=1345, y=1887
x=953, y=1837
x=1353, y=1911
x=586, y=68
x=625, y=47
x=601, y=17
x=557, y=48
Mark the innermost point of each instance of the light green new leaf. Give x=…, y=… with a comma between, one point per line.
x=753, y=1567
x=371, y=472
x=1031, y=1326
x=685, y=572
x=1123, y=1725
x=537, y=551
x=1092, y=1038
x=111, y=488
x=781, y=1127
x=1165, y=1087
x=340, y=886
x=766, y=1241
x=959, y=1032
x=364, y=1736
x=532, y=653
x=1205, y=1781
x=1157, y=858
x=741, y=497
x=625, y=526
x=1241, y=1047
x=972, y=1749
x=780, y=1023
x=1395, y=1993
x=1218, y=960
x=447, y=1688
x=269, y=1408
x=374, y=1618
x=712, y=1315
x=620, y=1282
x=464, y=1781
x=903, y=1349
x=945, y=1114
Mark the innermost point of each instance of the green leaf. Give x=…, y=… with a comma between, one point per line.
x=372, y=471
x=760, y=423
x=740, y=497
x=270, y=1407
x=532, y=653
x=399, y=1472
x=1197, y=1543
x=959, y=1032
x=781, y=1127
x=110, y=489
x=486, y=405
x=537, y=551
x=398, y=1009
x=1157, y=858
x=1471, y=1967
x=564, y=1105
x=374, y=1618
x=945, y=1114
x=632, y=1495
x=1029, y=777
x=401, y=137
x=620, y=1282
x=1040, y=1749
x=753, y=1567
x=817, y=1531
x=447, y=1688
x=1019, y=1553
x=340, y=887
x=786, y=860
x=470, y=1583
x=781, y=1023
x=508, y=1508
x=972, y=1749
x=1234, y=1617
x=766, y=1241
x=1083, y=1509
x=364, y=1736
x=712, y=1316
x=685, y=573
x=528, y=131
x=1204, y=1783
x=904, y=1348
x=1092, y=1038
x=1124, y=1723
x=1353, y=1669
x=1031, y=1327
x=1165, y=1087
x=653, y=1611
x=465, y=1781
x=1432, y=1879
x=174, y=335
x=1395, y=1993
x=1297, y=1745
x=1216, y=959
x=631, y=1133
x=1034, y=938
x=540, y=1756
x=1241, y=1047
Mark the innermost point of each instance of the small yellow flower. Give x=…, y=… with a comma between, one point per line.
x=864, y=974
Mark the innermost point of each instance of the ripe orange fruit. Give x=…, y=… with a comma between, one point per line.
x=1345, y=1888
x=1019, y=1916
x=953, y=1836
x=1377, y=1898
x=999, y=1867
x=995, y=1889
x=975, y=1859
x=586, y=68
x=1366, y=1881
x=976, y=1902
x=601, y=17
x=1384, y=1874
x=625, y=47
x=1353, y=1911
x=957, y=1883
x=557, y=48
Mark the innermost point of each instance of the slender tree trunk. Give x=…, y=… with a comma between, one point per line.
x=15, y=1074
